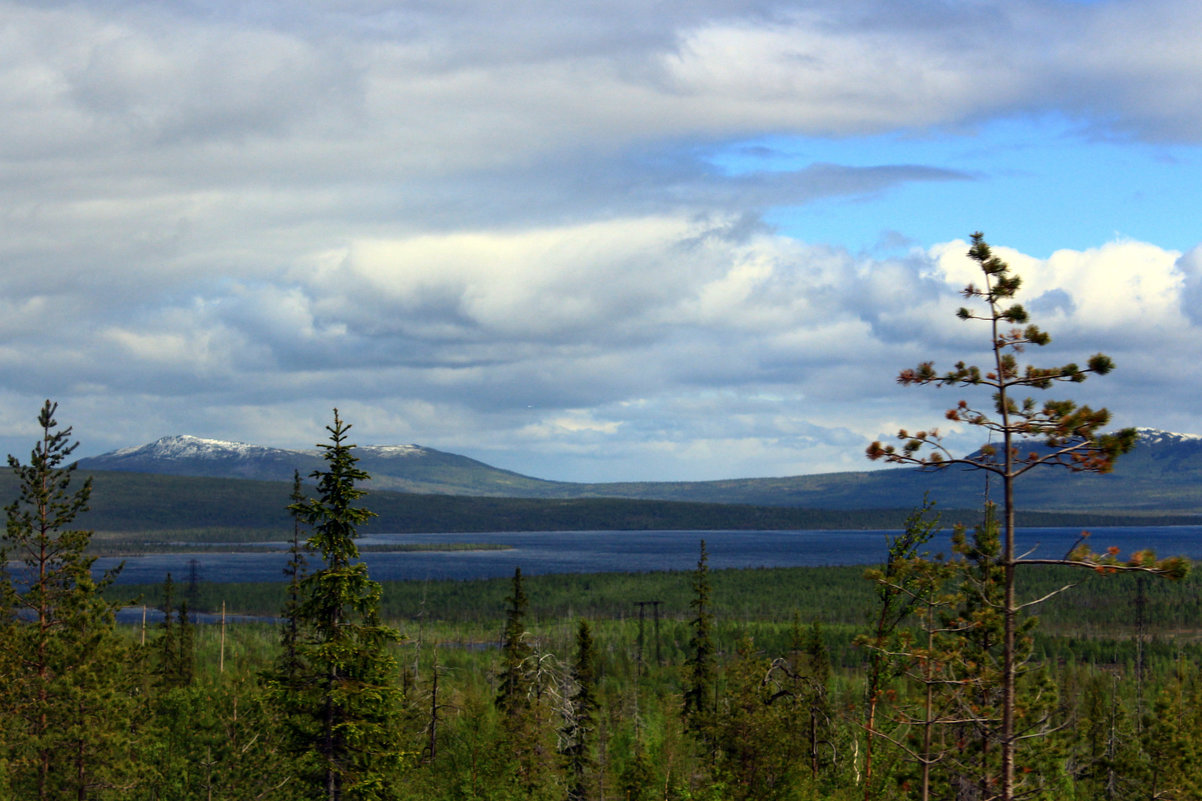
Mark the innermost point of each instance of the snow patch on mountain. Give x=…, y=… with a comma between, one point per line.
x=394, y=450
x=1155, y=436
x=185, y=446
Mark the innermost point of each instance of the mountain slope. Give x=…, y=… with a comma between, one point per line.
x=211, y=458
x=131, y=507
x=1163, y=473
x=412, y=468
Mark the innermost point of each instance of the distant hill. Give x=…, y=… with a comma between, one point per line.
x=137, y=506
x=410, y=468
x=1162, y=475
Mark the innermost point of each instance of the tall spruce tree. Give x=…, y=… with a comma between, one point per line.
x=1024, y=434
x=518, y=694
x=289, y=664
x=344, y=699
x=701, y=679
x=63, y=691
x=515, y=678
x=580, y=716
x=286, y=678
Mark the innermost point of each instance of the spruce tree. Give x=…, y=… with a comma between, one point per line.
x=581, y=711
x=344, y=700
x=286, y=679
x=168, y=641
x=177, y=642
x=289, y=664
x=518, y=693
x=515, y=679
x=701, y=679
x=637, y=780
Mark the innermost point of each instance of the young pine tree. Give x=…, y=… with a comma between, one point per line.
x=63, y=693
x=899, y=590
x=1024, y=434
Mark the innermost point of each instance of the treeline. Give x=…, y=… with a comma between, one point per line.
x=1099, y=606
x=129, y=507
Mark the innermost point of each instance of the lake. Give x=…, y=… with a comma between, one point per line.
x=544, y=552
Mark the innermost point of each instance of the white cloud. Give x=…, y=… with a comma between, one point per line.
x=776, y=372
x=147, y=78
x=1122, y=286
x=812, y=76
x=493, y=228
x=620, y=281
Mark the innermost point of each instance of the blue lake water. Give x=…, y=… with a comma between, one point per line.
x=630, y=551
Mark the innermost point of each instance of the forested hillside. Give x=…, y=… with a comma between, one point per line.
x=140, y=507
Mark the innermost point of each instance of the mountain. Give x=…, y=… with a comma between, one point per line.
x=212, y=458
x=1162, y=474
x=410, y=468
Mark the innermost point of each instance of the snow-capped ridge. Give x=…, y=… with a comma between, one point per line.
x=390, y=466
x=186, y=446
x=1156, y=436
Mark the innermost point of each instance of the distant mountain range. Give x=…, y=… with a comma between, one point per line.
x=1162, y=475
x=408, y=468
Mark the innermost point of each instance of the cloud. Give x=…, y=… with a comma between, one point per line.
x=755, y=343
x=1127, y=290
x=503, y=230
x=1190, y=267
x=1136, y=66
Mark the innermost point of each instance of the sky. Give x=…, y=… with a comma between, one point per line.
x=588, y=241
